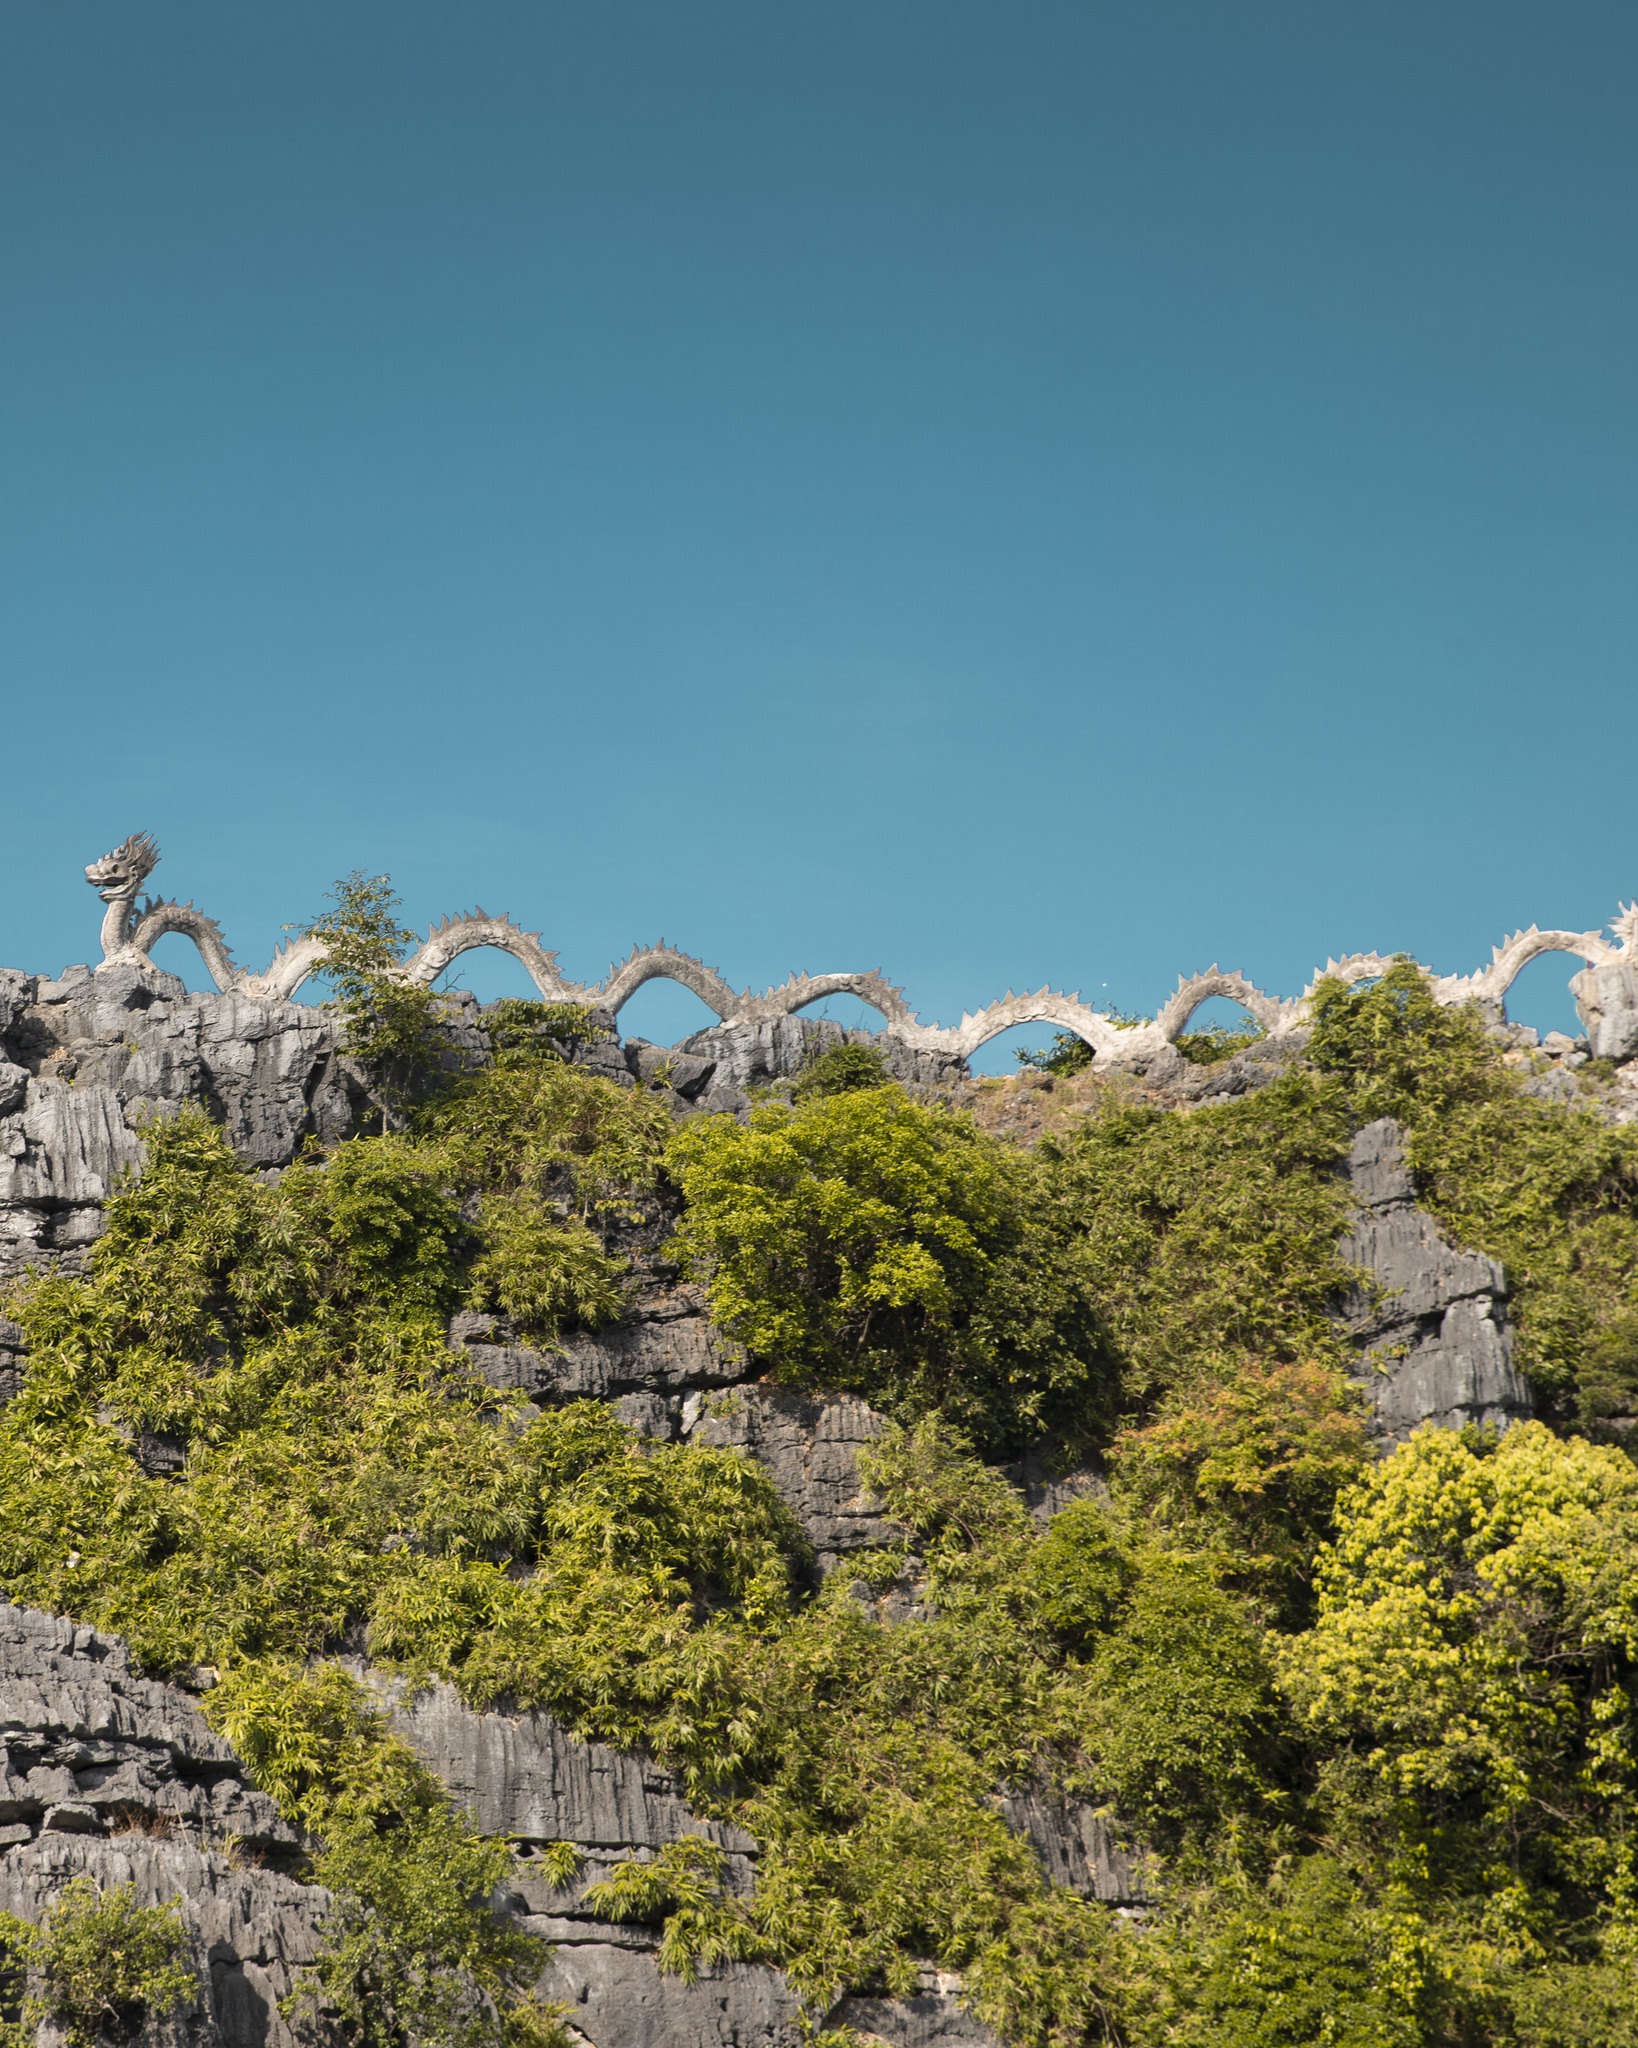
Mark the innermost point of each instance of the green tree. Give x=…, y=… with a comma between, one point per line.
x=1471, y=1675
x=865, y=1241
x=1205, y=1241
x=841, y=1068
x=392, y=1026
x=1253, y=1467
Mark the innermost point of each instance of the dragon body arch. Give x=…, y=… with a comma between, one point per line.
x=1606, y=990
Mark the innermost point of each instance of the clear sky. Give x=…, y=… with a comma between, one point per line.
x=1004, y=493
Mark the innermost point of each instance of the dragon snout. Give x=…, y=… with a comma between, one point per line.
x=108, y=882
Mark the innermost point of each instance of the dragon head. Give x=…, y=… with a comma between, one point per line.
x=120, y=874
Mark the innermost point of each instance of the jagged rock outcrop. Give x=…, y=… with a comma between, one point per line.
x=98, y=1053
x=663, y=1343
x=809, y=1445
x=524, y=1777
x=113, y=1776
x=759, y=1051
x=931, y=2018
x=1433, y=1332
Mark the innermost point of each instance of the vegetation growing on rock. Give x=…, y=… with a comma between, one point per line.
x=1373, y=1720
x=96, y=1969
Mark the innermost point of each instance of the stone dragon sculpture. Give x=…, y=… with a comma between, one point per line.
x=1605, y=991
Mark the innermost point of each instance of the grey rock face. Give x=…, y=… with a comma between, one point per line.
x=525, y=1777
x=809, y=1444
x=113, y=1776
x=84, y=1731
x=1077, y=1847
x=13, y=1358
x=251, y=1932
x=99, y=1053
x=1607, y=999
x=618, y=1998
x=1048, y=1489
x=933, y=2018
x=755, y=1052
x=662, y=1343
x=1438, y=1346
x=1184, y=1083
x=17, y=992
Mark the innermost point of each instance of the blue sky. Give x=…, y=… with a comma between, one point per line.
x=1002, y=493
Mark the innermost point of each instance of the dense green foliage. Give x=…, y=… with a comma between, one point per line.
x=866, y=1241
x=840, y=1069
x=1372, y=1722
x=96, y=1968
x=1472, y=1676
x=1207, y=1241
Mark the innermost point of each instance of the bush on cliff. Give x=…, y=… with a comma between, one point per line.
x=390, y=1024
x=865, y=1241
x=96, y=1969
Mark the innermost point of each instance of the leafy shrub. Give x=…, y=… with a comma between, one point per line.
x=99, y=1965
x=1083, y=1572
x=345, y=1475
x=865, y=1241
x=840, y=1069
x=1179, y=1705
x=521, y=1033
x=1312, y=1961
x=1475, y=1667
x=1207, y=1241
x=1066, y=1055
x=682, y=1887
x=549, y=1130
x=1253, y=1466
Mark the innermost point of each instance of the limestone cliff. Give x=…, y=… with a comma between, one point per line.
x=115, y=1775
